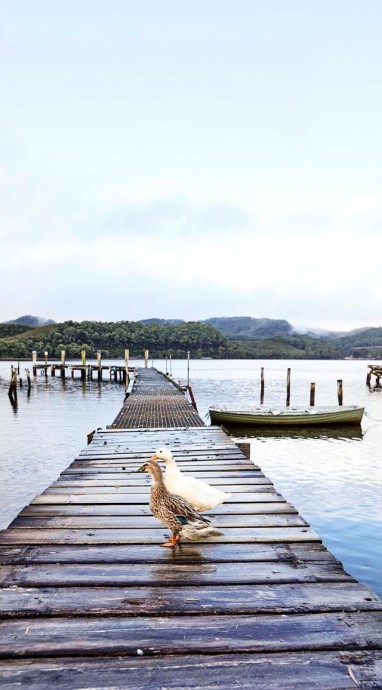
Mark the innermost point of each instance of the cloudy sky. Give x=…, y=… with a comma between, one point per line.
x=191, y=158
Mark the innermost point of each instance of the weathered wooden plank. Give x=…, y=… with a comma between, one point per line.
x=328, y=670
x=201, y=600
x=177, y=574
x=93, y=465
x=179, y=634
x=190, y=454
x=57, y=498
x=145, y=487
x=147, y=521
x=151, y=536
x=149, y=553
x=136, y=509
x=135, y=477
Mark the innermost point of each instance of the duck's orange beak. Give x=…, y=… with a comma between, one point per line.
x=154, y=457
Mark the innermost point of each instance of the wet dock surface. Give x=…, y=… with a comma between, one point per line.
x=89, y=599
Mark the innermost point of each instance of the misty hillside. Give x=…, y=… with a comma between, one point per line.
x=248, y=328
x=31, y=321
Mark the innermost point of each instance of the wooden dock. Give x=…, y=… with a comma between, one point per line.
x=89, y=599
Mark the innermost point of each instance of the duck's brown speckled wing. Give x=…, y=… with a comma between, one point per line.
x=183, y=508
x=166, y=507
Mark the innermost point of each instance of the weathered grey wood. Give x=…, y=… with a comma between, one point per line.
x=135, y=477
x=92, y=465
x=136, y=509
x=148, y=522
x=179, y=635
x=57, y=498
x=145, y=488
x=327, y=670
x=196, y=600
x=177, y=574
x=148, y=553
x=151, y=536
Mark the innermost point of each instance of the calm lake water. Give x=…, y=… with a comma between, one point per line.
x=334, y=478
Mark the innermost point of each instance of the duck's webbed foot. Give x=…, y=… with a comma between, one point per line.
x=173, y=541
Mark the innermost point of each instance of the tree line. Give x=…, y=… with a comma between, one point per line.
x=200, y=339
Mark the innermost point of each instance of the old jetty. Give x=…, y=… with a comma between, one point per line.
x=89, y=599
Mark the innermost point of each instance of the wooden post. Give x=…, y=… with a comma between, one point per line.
x=288, y=388
x=83, y=358
x=339, y=391
x=99, y=365
x=34, y=362
x=28, y=378
x=170, y=368
x=245, y=448
x=146, y=358
x=62, y=364
x=12, y=391
x=312, y=394
x=166, y=365
x=127, y=355
x=46, y=362
x=188, y=368
x=262, y=386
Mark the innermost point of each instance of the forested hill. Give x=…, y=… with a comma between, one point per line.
x=248, y=328
x=200, y=339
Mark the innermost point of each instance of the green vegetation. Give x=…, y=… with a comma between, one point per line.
x=291, y=347
x=8, y=330
x=112, y=339
x=247, y=328
x=162, y=339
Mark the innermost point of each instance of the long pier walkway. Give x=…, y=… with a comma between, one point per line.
x=89, y=599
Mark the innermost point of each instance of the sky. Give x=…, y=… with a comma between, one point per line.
x=191, y=158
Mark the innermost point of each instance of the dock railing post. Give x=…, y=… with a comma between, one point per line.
x=146, y=358
x=340, y=391
x=188, y=368
x=288, y=388
x=46, y=362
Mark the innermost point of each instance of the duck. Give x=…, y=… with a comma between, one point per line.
x=174, y=512
x=201, y=495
